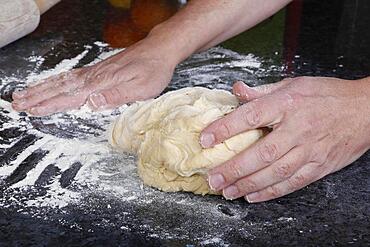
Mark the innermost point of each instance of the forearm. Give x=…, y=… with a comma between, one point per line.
x=255, y=12
x=366, y=90
x=205, y=23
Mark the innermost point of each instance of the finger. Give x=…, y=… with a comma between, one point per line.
x=70, y=99
x=245, y=93
x=42, y=85
x=42, y=92
x=59, y=103
x=34, y=99
x=263, y=153
x=70, y=77
x=277, y=172
x=262, y=112
x=303, y=177
x=121, y=94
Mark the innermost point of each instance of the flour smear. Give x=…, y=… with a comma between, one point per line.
x=74, y=159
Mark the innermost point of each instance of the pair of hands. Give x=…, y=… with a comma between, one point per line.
x=319, y=125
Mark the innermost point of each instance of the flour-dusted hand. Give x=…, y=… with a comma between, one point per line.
x=144, y=70
x=319, y=125
x=135, y=74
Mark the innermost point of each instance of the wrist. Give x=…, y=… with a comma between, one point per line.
x=153, y=47
x=169, y=43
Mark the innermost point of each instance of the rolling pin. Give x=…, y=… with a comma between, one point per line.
x=20, y=17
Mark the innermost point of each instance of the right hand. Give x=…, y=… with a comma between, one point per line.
x=139, y=72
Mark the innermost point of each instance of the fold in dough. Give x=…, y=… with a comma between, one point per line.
x=164, y=134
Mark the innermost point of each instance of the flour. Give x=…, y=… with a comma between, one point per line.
x=63, y=66
x=62, y=152
x=75, y=161
x=216, y=240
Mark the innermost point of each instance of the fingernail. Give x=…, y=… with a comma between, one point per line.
x=215, y=181
x=231, y=192
x=252, y=197
x=207, y=140
x=97, y=100
x=243, y=91
x=20, y=94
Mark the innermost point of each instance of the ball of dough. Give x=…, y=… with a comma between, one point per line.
x=164, y=134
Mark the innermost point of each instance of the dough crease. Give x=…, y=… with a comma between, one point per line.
x=164, y=134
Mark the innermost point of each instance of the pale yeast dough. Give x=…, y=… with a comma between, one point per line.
x=164, y=133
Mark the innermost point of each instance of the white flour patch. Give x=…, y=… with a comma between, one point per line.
x=63, y=66
x=75, y=162
x=100, y=44
x=216, y=240
x=61, y=152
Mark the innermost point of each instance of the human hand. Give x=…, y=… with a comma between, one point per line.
x=139, y=72
x=319, y=125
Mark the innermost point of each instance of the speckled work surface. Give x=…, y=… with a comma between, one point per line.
x=94, y=198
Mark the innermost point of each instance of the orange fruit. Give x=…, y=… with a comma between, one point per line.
x=146, y=14
x=119, y=31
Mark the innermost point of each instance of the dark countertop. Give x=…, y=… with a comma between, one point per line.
x=309, y=38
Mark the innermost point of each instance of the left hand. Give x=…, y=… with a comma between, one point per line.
x=319, y=125
x=137, y=73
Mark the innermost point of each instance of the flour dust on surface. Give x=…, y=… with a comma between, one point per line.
x=62, y=163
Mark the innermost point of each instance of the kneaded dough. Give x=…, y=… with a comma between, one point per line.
x=164, y=134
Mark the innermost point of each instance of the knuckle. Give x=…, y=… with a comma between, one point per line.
x=223, y=132
x=267, y=152
x=320, y=166
x=307, y=133
x=62, y=83
x=302, y=79
x=234, y=170
x=92, y=77
x=306, y=83
x=116, y=76
x=119, y=75
x=251, y=114
x=332, y=156
x=114, y=96
x=247, y=185
x=293, y=99
x=297, y=181
x=318, y=156
x=283, y=171
x=239, y=84
x=274, y=192
x=287, y=79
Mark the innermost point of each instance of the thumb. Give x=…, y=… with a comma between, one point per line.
x=111, y=97
x=245, y=93
x=121, y=94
